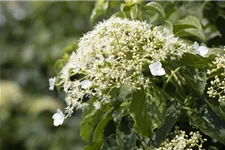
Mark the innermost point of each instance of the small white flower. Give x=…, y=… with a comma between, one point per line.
x=97, y=105
x=51, y=83
x=85, y=84
x=157, y=69
x=201, y=50
x=58, y=118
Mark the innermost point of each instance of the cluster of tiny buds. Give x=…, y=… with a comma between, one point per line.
x=114, y=54
x=180, y=140
x=217, y=88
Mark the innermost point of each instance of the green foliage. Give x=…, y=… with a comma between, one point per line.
x=32, y=37
x=93, y=124
x=154, y=111
x=173, y=112
x=148, y=110
x=208, y=122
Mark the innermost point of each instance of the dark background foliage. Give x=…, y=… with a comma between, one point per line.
x=32, y=36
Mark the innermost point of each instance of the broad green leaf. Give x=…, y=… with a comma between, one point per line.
x=156, y=7
x=100, y=7
x=125, y=9
x=195, y=78
x=134, y=12
x=188, y=22
x=119, y=14
x=195, y=60
x=172, y=114
x=124, y=91
x=93, y=146
x=93, y=124
x=130, y=2
x=148, y=110
x=215, y=51
x=218, y=108
x=138, y=109
x=168, y=26
x=126, y=141
x=209, y=123
x=191, y=32
x=110, y=143
x=98, y=134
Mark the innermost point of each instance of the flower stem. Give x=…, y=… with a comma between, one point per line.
x=169, y=78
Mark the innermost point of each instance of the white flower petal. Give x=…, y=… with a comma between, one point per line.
x=156, y=69
x=51, y=83
x=58, y=118
x=200, y=50
x=85, y=84
x=97, y=105
x=155, y=65
x=203, y=51
x=196, y=46
x=161, y=72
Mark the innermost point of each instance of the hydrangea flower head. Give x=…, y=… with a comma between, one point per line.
x=114, y=54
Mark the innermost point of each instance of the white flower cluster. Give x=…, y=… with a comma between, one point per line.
x=114, y=54
x=217, y=88
x=182, y=141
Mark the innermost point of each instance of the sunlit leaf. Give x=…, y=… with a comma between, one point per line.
x=191, y=32
x=188, y=22
x=148, y=110
x=154, y=6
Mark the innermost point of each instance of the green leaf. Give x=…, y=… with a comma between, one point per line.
x=125, y=134
x=195, y=78
x=167, y=24
x=218, y=108
x=119, y=14
x=148, y=110
x=209, y=123
x=93, y=124
x=138, y=109
x=93, y=146
x=124, y=91
x=188, y=22
x=134, y=12
x=156, y=7
x=195, y=60
x=172, y=114
x=215, y=51
x=191, y=32
x=125, y=9
x=100, y=7
x=126, y=141
x=110, y=143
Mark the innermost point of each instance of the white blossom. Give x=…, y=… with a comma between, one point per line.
x=201, y=50
x=85, y=84
x=114, y=54
x=157, y=69
x=58, y=118
x=51, y=83
x=97, y=105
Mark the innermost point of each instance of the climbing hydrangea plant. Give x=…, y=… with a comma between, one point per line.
x=134, y=80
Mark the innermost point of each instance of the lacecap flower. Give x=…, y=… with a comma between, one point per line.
x=58, y=118
x=200, y=50
x=114, y=54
